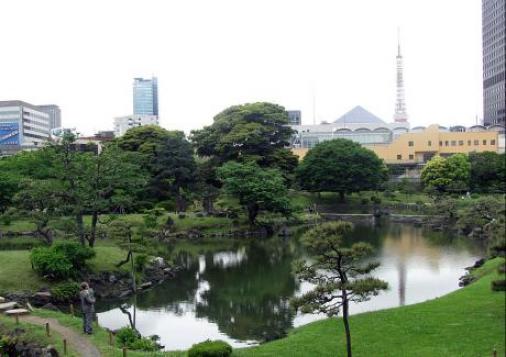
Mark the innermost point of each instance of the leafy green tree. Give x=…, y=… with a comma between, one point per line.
x=39, y=201
x=250, y=132
x=488, y=172
x=341, y=166
x=113, y=179
x=447, y=174
x=256, y=188
x=168, y=157
x=337, y=272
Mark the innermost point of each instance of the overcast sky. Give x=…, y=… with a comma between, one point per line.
x=208, y=55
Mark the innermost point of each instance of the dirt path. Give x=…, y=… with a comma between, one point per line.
x=77, y=342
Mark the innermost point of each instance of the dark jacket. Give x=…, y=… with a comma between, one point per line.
x=87, y=300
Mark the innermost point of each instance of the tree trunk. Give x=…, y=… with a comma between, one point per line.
x=208, y=204
x=341, y=196
x=180, y=203
x=252, y=212
x=346, y=322
x=93, y=235
x=80, y=227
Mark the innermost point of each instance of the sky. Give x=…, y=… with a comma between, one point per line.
x=320, y=57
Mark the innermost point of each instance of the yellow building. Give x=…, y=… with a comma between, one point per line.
x=420, y=144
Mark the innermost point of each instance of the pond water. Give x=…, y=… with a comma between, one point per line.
x=240, y=294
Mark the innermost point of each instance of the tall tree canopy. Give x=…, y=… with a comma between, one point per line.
x=256, y=188
x=168, y=157
x=250, y=132
x=341, y=166
x=447, y=174
x=488, y=172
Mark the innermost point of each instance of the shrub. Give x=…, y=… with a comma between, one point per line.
x=52, y=264
x=60, y=261
x=499, y=285
x=375, y=199
x=210, y=349
x=364, y=201
x=65, y=292
x=181, y=216
x=76, y=253
x=131, y=339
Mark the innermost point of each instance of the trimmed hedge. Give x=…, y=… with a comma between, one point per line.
x=210, y=349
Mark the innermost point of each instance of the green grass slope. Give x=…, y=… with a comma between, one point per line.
x=467, y=322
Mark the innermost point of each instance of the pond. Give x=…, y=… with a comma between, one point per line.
x=241, y=293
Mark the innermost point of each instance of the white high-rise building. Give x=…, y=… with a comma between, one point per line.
x=122, y=124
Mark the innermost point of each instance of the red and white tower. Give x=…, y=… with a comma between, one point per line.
x=401, y=115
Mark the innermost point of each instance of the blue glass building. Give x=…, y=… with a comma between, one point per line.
x=146, y=96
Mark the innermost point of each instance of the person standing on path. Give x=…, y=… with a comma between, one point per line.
x=87, y=306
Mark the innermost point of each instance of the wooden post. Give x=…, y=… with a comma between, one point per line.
x=64, y=347
x=72, y=309
x=124, y=352
x=110, y=338
x=48, y=332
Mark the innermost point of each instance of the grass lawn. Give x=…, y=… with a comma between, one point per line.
x=36, y=334
x=100, y=338
x=467, y=322
x=16, y=272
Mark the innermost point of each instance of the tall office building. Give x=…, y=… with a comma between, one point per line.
x=493, y=37
x=22, y=126
x=54, y=114
x=145, y=96
x=294, y=117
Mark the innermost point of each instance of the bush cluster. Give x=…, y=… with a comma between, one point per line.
x=61, y=261
x=65, y=292
x=210, y=349
x=131, y=339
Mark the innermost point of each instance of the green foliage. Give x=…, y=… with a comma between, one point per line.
x=255, y=188
x=168, y=157
x=342, y=166
x=61, y=261
x=140, y=262
x=488, y=172
x=447, y=175
x=336, y=272
x=131, y=339
x=499, y=285
x=480, y=213
x=52, y=264
x=65, y=292
x=210, y=349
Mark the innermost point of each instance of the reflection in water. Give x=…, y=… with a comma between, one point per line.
x=242, y=295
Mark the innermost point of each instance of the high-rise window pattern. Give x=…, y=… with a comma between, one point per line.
x=145, y=93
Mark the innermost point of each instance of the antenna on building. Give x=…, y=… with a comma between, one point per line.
x=400, y=114
x=314, y=107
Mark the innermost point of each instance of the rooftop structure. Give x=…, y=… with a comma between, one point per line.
x=358, y=125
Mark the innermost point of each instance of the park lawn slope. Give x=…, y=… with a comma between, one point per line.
x=467, y=322
x=16, y=273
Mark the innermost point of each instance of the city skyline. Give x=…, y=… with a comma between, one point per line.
x=339, y=54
